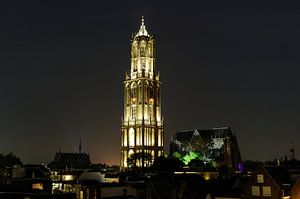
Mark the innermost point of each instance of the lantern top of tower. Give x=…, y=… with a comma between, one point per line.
x=142, y=30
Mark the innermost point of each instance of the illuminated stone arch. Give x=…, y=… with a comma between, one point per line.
x=133, y=89
x=143, y=48
x=131, y=136
x=127, y=90
x=140, y=91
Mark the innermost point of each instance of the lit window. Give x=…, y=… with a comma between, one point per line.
x=125, y=158
x=267, y=191
x=67, y=177
x=255, y=191
x=153, y=137
x=130, y=153
x=125, y=137
x=133, y=112
x=131, y=137
x=260, y=178
x=137, y=137
x=159, y=138
x=37, y=186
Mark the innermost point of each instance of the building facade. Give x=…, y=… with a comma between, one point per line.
x=142, y=123
x=272, y=182
x=217, y=144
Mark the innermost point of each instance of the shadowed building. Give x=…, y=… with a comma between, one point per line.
x=65, y=161
x=217, y=144
x=70, y=161
x=268, y=182
x=142, y=123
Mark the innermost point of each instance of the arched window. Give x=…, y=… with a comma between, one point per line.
x=131, y=137
x=127, y=90
x=137, y=137
x=157, y=95
x=143, y=49
x=133, y=90
x=125, y=138
x=140, y=93
x=151, y=91
x=146, y=87
x=133, y=112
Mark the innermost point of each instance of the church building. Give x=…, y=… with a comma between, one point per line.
x=217, y=144
x=142, y=123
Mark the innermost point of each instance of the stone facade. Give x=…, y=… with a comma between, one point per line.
x=142, y=123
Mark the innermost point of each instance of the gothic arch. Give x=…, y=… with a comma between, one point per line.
x=133, y=89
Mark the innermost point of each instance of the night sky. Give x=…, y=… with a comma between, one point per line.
x=221, y=63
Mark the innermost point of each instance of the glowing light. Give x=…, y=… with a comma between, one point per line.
x=67, y=177
x=125, y=138
x=131, y=137
x=125, y=158
x=206, y=176
x=142, y=117
x=192, y=155
x=159, y=138
x=38, y=186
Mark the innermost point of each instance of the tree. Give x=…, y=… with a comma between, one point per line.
x=8, y=161
x=164, y=164
x=197, y=164
x=134, y=158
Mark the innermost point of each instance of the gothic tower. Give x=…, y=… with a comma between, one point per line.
x=142, y=124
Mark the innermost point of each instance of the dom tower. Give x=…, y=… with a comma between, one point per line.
x=142, y=125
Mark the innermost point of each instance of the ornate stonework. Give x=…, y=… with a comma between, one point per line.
x=142, y=124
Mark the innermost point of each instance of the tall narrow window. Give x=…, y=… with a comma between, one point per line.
x=153, y=137
x=125, y=137
x=137, y=137
x=125, y=159
x=133, y=112
x=151, y=92
x=143, y=49
x=133, y=90
x=131, y=137
x=159, y=138
x=140, y=93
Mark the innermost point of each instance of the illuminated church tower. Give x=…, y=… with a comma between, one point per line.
x=142, y=124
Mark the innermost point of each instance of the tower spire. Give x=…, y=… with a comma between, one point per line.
x=142, y=127
x=142, y=20
x=292, y=151
x=142, y=30
x=80, y=145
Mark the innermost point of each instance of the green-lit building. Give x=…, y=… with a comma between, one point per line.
x=217, y=144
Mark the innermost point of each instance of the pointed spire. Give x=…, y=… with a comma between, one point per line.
x=80, y=145
x=292, y=151
x=142, y=20
x=142, y=31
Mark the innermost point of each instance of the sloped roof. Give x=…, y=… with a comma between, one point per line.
x=70, y=160
x=142, y=31
x=279, y=174
x=222, y=132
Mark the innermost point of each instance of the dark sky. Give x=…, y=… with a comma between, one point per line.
x=221, y=63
